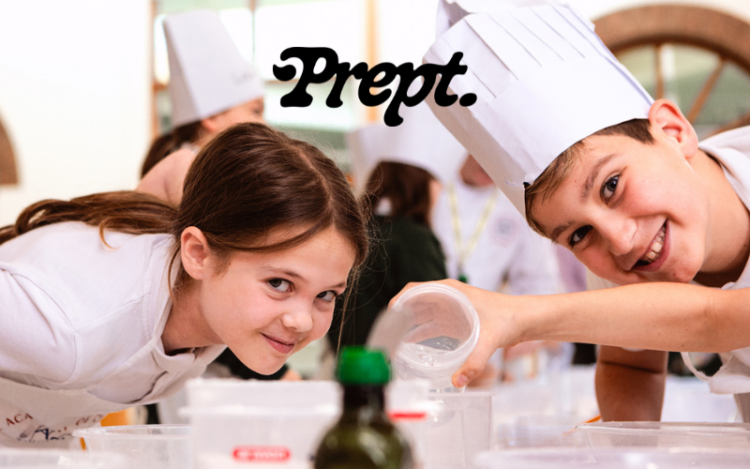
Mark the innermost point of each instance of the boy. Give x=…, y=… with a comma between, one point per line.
x=583, y=152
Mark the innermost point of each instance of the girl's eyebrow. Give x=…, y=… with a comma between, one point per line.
x=593, y=175
x=298, y=276
x=556, y=232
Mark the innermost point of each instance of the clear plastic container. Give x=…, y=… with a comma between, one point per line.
x=56, y=459
x=459, y=427
x=541, y=431
x=259, y=423
x=148, y=446
x=667, y=434
x=613, y=458
x=443, y=329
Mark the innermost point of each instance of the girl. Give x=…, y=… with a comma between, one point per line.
x=211, y=88
x=118, y=298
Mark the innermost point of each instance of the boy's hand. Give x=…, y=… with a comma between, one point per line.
x=498, y=326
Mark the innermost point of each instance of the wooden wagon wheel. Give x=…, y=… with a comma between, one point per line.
x=653, y=41
x=8, y=172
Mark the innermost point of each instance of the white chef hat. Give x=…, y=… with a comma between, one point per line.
x=543, y=81
x=421, y=141
x=207, y=73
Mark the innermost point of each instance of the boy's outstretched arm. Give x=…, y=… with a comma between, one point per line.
x=654, y=316
x=630, y=385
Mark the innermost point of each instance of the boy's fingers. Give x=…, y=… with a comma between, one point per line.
x=475, y=364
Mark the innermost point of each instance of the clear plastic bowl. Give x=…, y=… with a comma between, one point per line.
x=56, y=459
x=443, y=331
x=148, y=446
x=613, y=458
x=667, y=434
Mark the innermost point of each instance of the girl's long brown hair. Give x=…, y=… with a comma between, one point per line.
x=246, y=182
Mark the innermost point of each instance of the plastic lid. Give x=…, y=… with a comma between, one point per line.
x=360, y=365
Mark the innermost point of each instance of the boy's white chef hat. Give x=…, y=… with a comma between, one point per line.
x=543, y=81
x=207, y=73
x=420, y=140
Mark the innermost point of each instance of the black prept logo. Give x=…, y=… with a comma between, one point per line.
x=310, y=56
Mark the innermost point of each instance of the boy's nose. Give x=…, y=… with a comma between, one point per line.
x=298, y=318
x=619, y=235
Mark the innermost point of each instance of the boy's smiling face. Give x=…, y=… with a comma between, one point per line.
x=634, y=212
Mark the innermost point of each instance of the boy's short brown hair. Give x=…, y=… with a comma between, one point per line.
x=546, y=184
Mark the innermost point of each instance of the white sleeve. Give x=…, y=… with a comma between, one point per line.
x=534, y=269
x=37, y=345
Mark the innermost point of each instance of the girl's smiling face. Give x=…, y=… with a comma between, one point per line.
x=267, y=306
x=632, y=212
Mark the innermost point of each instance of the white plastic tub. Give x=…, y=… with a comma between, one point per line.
x=57, y=459
x=667, y=434
x=148, y=446
x=614, y=458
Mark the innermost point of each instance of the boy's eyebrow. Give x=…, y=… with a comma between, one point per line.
x=593, y=174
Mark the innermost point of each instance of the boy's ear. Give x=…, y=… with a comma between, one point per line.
x=667, y=120
x=194, y=252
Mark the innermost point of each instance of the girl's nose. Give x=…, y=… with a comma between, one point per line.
x=298, y=318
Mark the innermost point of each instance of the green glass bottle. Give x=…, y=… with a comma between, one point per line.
x=363, y=438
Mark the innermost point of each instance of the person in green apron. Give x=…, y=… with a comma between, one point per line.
x=397, y=171
x=118, y=298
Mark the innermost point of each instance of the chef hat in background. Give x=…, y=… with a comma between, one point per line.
x=207, y=73
x=543, y=81
x=421, y=141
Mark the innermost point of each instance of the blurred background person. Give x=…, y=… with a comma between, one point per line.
x=211, y=88
x=398, y=172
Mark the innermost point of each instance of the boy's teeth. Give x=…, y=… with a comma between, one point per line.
x=656, y=247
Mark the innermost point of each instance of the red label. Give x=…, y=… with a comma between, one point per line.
x=261, y=453
x=396, y=416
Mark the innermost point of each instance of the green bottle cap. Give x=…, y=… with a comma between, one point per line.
x=360, y=365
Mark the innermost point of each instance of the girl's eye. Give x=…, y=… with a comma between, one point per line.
x=280, y=284
x=578, y=235
x=328, y=296
x=609, y=187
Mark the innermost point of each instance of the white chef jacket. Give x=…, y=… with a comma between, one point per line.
x=83, y=322
x=507, y=249
x=732, y=150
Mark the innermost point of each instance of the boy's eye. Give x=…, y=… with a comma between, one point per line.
x=609, y=187
x=578, y=235
x=328, y=296
x=280, y=284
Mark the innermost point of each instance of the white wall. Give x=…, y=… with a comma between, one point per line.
x=74, y=96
